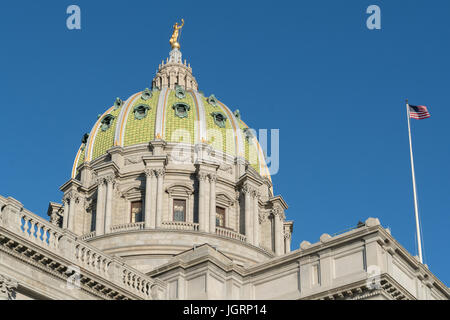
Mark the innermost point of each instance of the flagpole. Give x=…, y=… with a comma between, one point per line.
x=416, y=208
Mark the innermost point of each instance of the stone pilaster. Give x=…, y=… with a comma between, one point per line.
x=73, y=198
x=150, y=209
x=212, y=203
x=65, y=202
x=202, y=177
x=278, y=233
x=246, y=190
x=159, y=195
x=100, y=218
x=8, y=288
x=255, y=195
x=110, y=180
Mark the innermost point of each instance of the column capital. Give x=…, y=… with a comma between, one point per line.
x=277, y=212
x=255, y=193
x=150, y=173
x=247, y=190
x=8, y=287
x=100, y=180
x=212, y=177
x=71, y=196
x=202, y=176
x=110, y=178
x=160, y=172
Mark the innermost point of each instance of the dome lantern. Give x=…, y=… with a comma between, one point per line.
x=174, y=72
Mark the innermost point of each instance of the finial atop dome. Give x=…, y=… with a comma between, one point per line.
x=173, y=72
x=176, y=30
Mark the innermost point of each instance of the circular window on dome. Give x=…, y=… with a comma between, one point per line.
x=140, y=111
x=146, y=94
x=219, y=119
x=249, y=134
x=181, y=109
x=106, y=122
x=212, y=100
x=179, y=92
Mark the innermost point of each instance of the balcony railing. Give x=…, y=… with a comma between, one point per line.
x=32, y=228
x=172, y=225
x=128, y=227
x=180, y=225
x=224, y=232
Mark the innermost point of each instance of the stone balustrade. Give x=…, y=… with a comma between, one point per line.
x=180, y=225
x=128, y=226
x=88, y=236
x=224, y=232
x=32, y=228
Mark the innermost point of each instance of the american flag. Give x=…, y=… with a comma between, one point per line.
x=418, y=112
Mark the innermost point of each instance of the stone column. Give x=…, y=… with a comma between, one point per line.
x=201, y=201
x=159, y=196
x=100, y=218
x=212, y=203
x=255, y=195
x=150, y=219
x=8, y=288
x=278, y=231
x=248, y=215
x=109, y=200
x=73, y=199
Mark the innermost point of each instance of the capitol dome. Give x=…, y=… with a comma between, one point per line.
x=170, y=168
x=176, y=112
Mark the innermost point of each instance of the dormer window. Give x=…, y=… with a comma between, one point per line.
x=140, y=111
x=179, y=92
x=181, y=109
x=219, y=119
x=212, y=100
x=248, y=133
x=107, y=122
x=146, y=94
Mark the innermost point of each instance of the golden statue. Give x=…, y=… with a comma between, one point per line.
x=174, y=39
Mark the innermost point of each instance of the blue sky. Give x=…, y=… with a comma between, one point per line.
x=335, y=89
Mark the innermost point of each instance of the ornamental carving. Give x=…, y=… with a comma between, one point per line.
x=212, y=177
x=150, y=173
x=277, y=211
x=160, y=172
x=202, y=176
x=110, y=178
x=8, y=288
x=132, y=160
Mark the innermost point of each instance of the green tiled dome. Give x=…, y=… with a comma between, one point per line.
x=173, y=115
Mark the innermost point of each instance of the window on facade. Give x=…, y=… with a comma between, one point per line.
x=220, y=217
x=136, y=211
x=179, y=210
x=93, y=219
